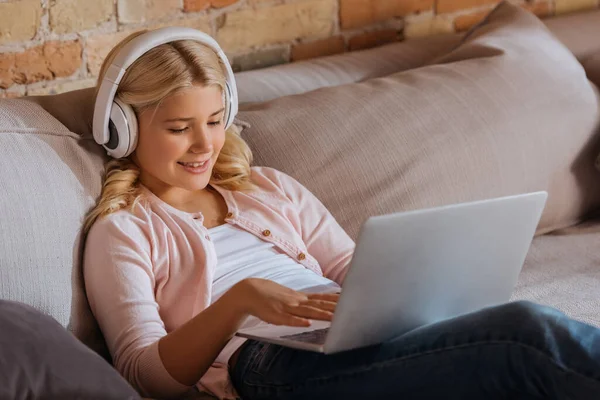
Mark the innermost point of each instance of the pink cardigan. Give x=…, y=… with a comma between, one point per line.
x=148, y=272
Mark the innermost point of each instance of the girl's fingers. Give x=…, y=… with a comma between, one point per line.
x=312, y=313
x=293, y=320
x=323, y=296
x=322, y=304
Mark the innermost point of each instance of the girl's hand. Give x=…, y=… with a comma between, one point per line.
x=279, y=305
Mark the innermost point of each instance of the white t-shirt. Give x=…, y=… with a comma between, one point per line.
x=242, y=255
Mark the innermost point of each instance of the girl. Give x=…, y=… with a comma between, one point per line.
x=189, y=243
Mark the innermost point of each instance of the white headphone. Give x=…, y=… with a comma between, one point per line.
x=115, y=124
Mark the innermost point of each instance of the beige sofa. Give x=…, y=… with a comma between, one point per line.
x=51, y=169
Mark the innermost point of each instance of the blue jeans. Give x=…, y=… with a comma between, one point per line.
x=518, y=350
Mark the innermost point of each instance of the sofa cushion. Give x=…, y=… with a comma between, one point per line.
x=507, y=111
x=561, y=270
x=40, y=359
x=49, y=179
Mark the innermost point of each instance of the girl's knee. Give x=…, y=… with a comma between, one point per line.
x=528, y=311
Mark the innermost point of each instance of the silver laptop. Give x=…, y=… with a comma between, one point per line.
x=419, y=267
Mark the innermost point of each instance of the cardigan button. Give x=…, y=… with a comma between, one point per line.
x=266, y=232
x=301, y=256
x=229, y=215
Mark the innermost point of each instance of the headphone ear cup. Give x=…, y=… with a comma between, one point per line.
x=132, y=124
x=123, y=130
x=228, y=98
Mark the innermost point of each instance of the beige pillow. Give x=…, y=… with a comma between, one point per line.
x=508, y=111
x=49, y=179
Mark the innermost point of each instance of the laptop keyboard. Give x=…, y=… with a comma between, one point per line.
x=317, y=336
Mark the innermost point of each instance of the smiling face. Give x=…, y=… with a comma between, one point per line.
x=187, y=127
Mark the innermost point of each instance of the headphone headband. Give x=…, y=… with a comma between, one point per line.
x=131, y=52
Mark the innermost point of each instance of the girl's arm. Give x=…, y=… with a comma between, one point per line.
x=119, y=280
x=189, y=351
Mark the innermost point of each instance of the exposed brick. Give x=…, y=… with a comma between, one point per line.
x=448, y=6
x=7, y=66
x=373, y=39
x=540, y=9
x=30, y=66
x=195, y=5
x=62, y=58
x=40, y=63
x=260, y=59
x=199, y=5
x=282, y=23
x=357, y=13
x=135, y=11
x=11, y=94
x=569, y=6
x=56, y=88
x=222, y=3
x=78, y=15
x=467, y=21
x=98, y=46
x=432, y=25
x=19, y=21
x=201, y=23
x=319, y=48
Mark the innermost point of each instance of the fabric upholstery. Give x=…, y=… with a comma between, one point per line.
x=49, y=179
x=562, y=269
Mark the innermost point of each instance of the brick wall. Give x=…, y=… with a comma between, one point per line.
x=52, y=46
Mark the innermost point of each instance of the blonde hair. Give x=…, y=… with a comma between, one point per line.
x=161, y=72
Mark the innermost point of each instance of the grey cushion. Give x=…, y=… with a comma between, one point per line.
x=40, y=359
